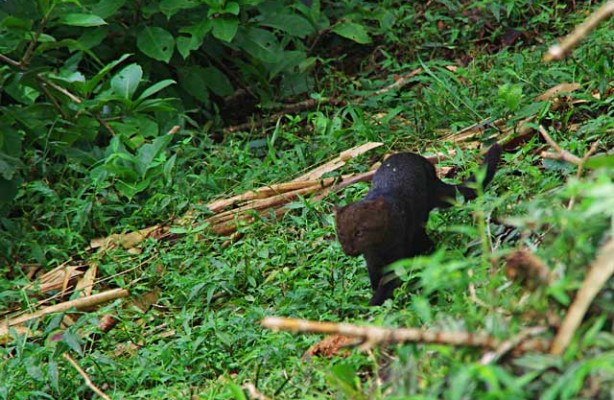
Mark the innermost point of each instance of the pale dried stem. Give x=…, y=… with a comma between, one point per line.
x=265, y=192
x=80, y=304
x=508, y=345
x=260, y=204
x=373, y=335
x=561, y=154
x=86, y=377
x=601, y=270
x=568, y=43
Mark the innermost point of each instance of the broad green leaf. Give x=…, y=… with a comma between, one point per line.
x=92, y=83
x=172, y=7
x=601, y=161
x=217, y=81
x=192, y=80
x=232, y=8
x=352, y=31
x=168, y=167
x=72, y=340
x=125, y=82
x=107, y=8
x=260, y=44
x=187, y=44
x=155, y=88
x=77, y=19
x=225, y=28
x=511, y=95
x=146, y=154
x=156, y=43
x=293, y=24
x=197, y=34
x=8, y=189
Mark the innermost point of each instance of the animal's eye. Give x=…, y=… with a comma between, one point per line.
x=358, y=233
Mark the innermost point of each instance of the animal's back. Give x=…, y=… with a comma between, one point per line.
x=406, y=176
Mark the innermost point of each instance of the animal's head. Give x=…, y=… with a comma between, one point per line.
x=363, y=225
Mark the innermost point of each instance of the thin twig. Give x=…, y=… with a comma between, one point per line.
x=54, y=101
x=560, y=50
x=10, y=61
x=25, y=60
x=87, y=379
x=585, y=158
x=509, y=345
x=373, y=335
x=59, y=88
x=601, y=270
x=561, y=154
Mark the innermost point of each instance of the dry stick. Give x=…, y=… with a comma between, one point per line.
x=375, y=335
x=601, y=270
x=510, y=344
x=346, y=181
x=262, y=193
x=310, y=178
x=585, y=158
x=87, y=379
x=561, y=154
x=253, y=392
x=338, y=161
x=59, y=88
x=80, y=303
x=560, y=50
x=261, y=204
x=10, y=61
x=228, y=227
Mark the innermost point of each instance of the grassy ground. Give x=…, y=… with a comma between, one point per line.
x=202, y=337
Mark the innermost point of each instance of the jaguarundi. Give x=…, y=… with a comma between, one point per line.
x=389, y=223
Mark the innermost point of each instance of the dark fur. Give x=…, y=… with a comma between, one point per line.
x=388, y=224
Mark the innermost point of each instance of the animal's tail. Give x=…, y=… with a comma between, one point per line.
x=448, y=192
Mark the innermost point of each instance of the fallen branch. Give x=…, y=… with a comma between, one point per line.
x=87, y=379
x=373, y=335
x=601, y=270
x=260, y=193
x=80, y=304
x=269, y=202
x=560, y=50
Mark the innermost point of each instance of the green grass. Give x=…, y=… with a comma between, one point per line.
x=202, y=337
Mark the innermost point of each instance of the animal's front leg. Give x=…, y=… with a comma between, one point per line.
x=375, y=265
x=385, y=289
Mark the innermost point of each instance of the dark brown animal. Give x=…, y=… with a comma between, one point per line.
x=389, y=223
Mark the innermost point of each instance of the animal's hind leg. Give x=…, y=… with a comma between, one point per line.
x=422, y=244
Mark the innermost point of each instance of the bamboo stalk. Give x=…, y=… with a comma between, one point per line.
x=80, y=304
